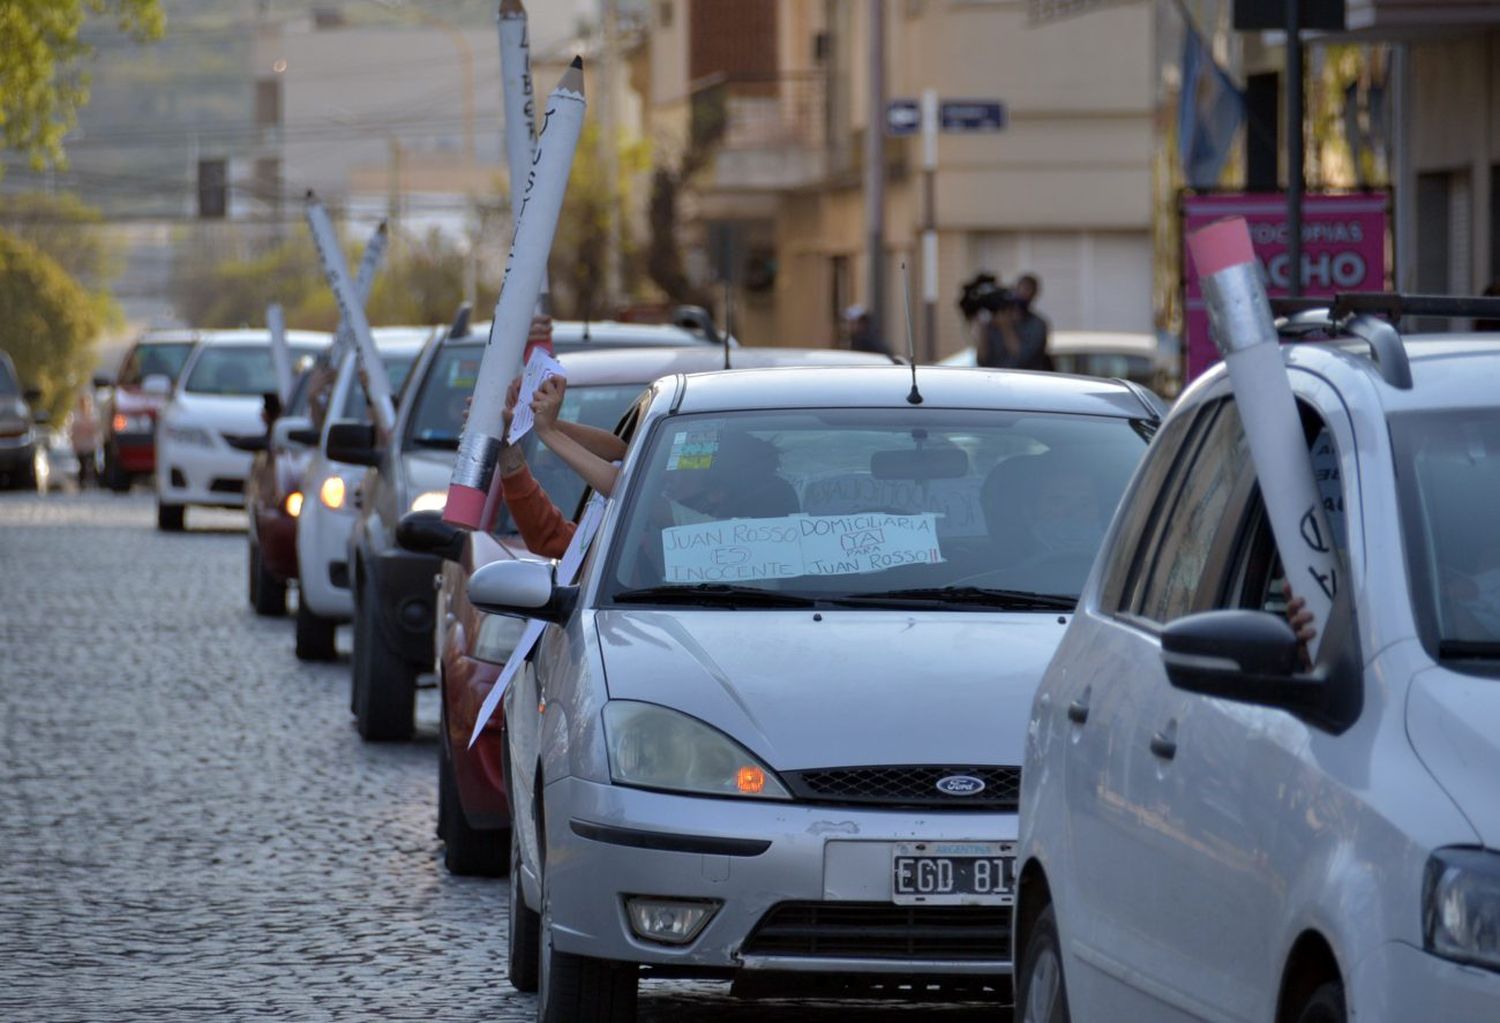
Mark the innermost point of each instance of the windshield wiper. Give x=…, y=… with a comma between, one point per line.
x=443, y=443
x=1468, y=650
x=1007, y=600
x=712, y=595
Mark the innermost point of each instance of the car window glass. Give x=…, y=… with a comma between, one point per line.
x=357, y=403
x=152, y=359
x=1175, y=567
x=1162, y=462
x=437, y=418
x=827, y=503
x=8, y=385
x=241, y=369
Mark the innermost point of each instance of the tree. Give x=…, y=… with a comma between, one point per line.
x=582, y=242
x=39, y=50
x=48, y=323
x=67, y=230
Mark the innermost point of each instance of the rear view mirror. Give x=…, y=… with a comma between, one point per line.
x=521, y=589
x=352, y=442
x=283, y=434
x=942, y=463
x=425, y=532
x=157, y=384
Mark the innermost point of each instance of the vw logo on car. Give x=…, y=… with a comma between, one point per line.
x=960, y=785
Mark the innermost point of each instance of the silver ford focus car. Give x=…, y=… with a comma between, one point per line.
x=775, y=727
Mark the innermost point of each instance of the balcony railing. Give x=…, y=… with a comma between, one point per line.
x=762, y=131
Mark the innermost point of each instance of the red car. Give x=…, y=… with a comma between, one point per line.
x=472, y=646
x=128, y=440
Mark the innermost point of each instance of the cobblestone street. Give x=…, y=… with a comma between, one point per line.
x=190, y=826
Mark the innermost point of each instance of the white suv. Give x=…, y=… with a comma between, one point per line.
x=1212, y=832
x=220, y=394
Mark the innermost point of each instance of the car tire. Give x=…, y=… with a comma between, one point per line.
x=115, y=476
x=267, y=593
x=467, y=851
x=525, y=931
x=1041, y=994
x=315, y=635
x=1326, y=1005
x=386, y=695
x=581, y=989
x=170, y=518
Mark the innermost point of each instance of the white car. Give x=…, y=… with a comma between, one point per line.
x=1101, y=353
x=323, y=596
x=1211, y=831
x=220, y=393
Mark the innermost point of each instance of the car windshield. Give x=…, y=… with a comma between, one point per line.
x=600, y=405
x=357, y=405
x=438, y=416
x=155, y=358
x=966, y=508
x=1449, y=465
x=241, y=369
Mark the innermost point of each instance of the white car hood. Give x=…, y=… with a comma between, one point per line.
x=1454, y=724
x=237, y=415
x=857, y=688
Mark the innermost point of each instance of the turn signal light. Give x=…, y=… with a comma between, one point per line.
x=332, y=492
x=118, y=422
x=294, y=503
x=751, y=780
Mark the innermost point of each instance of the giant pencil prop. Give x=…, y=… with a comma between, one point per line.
x=364, y=283
x=1245, y=333
x=281, y=357
x=519, y=103
x=352, y=312
x=536, y=223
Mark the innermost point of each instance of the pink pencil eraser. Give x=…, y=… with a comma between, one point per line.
x=1220, y=245
x=465, y=506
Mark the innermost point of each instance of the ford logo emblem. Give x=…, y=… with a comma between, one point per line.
x=960, y=785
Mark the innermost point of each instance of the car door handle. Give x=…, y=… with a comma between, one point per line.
x=1164, y=742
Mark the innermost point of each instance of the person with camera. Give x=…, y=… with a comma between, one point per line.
x=1011, y=336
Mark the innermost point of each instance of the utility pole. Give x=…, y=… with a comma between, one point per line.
x=875, y=170
x=929, y=223
x=608, y=153
x=1294, y=146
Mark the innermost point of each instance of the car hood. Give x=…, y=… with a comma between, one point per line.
x=854, y=688
x=1454, y=724
x=131, y=400
x=238, y=415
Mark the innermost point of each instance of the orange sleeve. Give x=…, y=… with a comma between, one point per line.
x=545, y=530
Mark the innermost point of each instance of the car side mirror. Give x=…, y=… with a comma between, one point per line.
x=1246, y=656
x=158, y=385
x=425, y=532
x=103, y=380
x=352, y=442
x=293, y=430
x=522, y=589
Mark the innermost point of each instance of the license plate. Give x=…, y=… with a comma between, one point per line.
x=953, y=873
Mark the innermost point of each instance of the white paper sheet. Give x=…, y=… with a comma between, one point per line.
x=738, y=550
x=540, y=367
x=567, y=573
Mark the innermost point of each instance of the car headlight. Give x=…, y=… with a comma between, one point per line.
x=193, y=435
x=654, y=747
x=293, y=503
x=1461, y=906
x=333, y=492
x=138, y=422
x=432, y=500
x=498, y=635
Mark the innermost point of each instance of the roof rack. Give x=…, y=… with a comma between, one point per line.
x=1358, y=314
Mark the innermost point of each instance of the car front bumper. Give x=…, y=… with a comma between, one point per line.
x=135, y=452
x=1399, y=982
x=194, y=474
x=322, y=559
x=768, y=864
x=276, y=531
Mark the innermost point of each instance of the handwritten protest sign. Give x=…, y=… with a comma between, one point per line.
x=956, y=502
x=735, y=550
x=540, y=367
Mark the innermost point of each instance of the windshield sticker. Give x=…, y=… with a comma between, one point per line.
x=693, y=449
x=798, y=545
x=463, y=374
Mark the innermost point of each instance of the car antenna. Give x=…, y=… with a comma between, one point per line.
x=915, y=397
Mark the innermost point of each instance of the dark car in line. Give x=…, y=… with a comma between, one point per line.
x=18, y=439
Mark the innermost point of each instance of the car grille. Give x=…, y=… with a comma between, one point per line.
x=915, y=786
x=879, y=930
